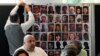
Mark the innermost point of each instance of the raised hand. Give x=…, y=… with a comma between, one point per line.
x=20, y=3
x=27, y=8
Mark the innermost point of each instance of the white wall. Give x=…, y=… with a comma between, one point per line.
x=7, y=1
x=49, y=1
x=31, y=1
x=42, y=1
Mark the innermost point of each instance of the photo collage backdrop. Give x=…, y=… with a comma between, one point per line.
x=58, y=24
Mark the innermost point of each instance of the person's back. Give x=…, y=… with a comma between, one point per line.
x=14, y=30
x=82, y=53
x=14, y=33
x=69, y=50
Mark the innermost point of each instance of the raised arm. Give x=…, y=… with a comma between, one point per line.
x=25, y=26
x=13, y=11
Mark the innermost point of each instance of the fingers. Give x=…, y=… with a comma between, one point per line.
x=20, y=3
x=26, y=6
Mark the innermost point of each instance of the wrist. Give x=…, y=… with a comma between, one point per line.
x=18, y=4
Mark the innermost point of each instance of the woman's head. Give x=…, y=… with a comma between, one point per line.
x=85, y=10
x=72, y=36
x=71, y=50
x=64, y=9
x=65, y=28
x=78, y=45
x=51, y=37
x=58, y=37
x=21, y=52
x=78, y=10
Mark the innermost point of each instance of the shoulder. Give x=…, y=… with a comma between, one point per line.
x=17, y=50
x=83, y=51
x=41, y=51
x=39, y=48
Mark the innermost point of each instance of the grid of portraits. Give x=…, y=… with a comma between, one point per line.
x=59, y=24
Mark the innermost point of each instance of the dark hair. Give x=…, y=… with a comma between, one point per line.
x=86, y=45
x=78, y=44
x=85, y=18
x=64, y=43
x=64, y=7
x=86, y=37
x=20, y=12
x=50, y=11
x=71, y=50
x=19, y=15
x=14, y=18
x=44, y=37
x=28, y=33
x=85, y=25
x=20, y=52
x=85, y=7
x=58, y=45
x=78, y=7
x=57, y=25
x=57, y=34
x=57, y=8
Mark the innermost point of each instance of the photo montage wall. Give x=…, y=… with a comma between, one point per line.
x=59, y=24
